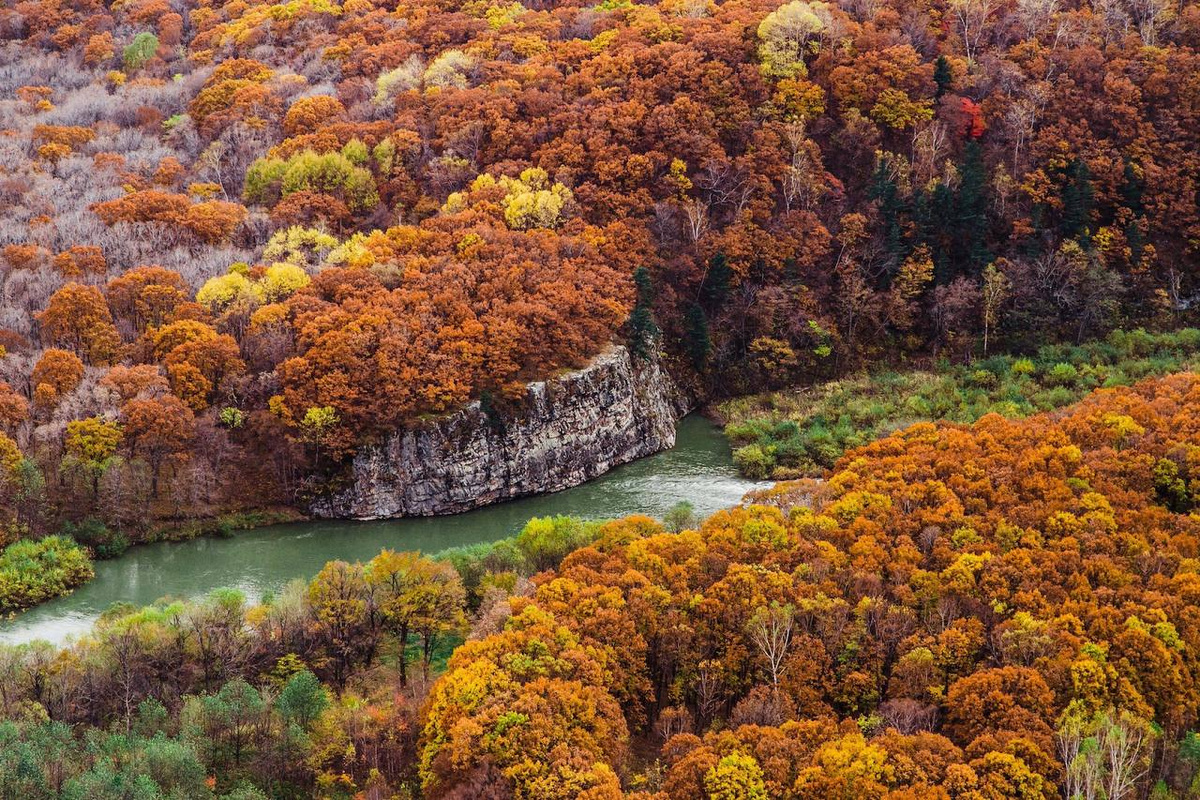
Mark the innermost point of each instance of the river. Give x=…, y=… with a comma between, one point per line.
x=698, y=469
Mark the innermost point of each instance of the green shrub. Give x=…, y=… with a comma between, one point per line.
x=1062, y=374
x=1005, y=408
x=232, y=417
x=1116, y=377
x=541, y=545
x=33, y=572
x=478, y=564
x=356, y=152
x=681, y=516
x=545, y=541
x=826, y=451
x=94, y=534
x=1187, y=339
x=1054, y=398
x=326, y=173
x=1023, y=366
x=753, y=462
x=981, y=377
x=140, y=50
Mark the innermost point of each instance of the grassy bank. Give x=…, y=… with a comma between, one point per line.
x=803, y=432
x=32, y=572
x=106, y=542
x=223, y=526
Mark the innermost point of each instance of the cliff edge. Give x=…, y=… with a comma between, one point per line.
x=567, y=430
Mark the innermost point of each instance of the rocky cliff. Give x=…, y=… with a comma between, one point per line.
x=566, y=431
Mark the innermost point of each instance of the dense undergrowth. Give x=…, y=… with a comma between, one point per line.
x=1003, y=610
x=33, y=572
x=803, y=432
x=215, y=697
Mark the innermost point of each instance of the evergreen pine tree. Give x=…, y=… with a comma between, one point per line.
x=1131, y=190
x=884, y=191
x=933, y=214
x=715, y=287
x=698, y=343
x=942, y=75
x=642, y=330
x=1077, y=199
x=1136, y=240
x=971, y=212
x=645, y=287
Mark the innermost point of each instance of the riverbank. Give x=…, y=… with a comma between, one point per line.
x=565, y=431
x=698, y=470
x=804, y=431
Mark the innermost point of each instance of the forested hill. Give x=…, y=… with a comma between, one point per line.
x=1005, y=610
x=240, y=239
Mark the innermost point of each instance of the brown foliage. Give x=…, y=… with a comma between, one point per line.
x=81, y=260
x=966, y=584
x=78, y=318
x=56, y=373
x=309, y=113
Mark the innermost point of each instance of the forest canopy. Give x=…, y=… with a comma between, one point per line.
x=240, y=240
x=955, y=612
x=244, y=239
x=1005, y=609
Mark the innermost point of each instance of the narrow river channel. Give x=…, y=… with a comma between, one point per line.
x=699, y=470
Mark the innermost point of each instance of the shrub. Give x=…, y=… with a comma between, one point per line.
x=1062, y=374
x=102, y=540
x=33, y=572
x=327, y=173
x=140, y=50
x=545, y=541
x=753, y=462
x=1022, y=366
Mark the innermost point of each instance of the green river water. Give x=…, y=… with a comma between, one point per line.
x=699, y=470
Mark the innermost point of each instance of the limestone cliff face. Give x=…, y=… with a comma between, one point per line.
x=568, y=430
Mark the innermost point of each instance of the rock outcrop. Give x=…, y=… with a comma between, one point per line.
x=567, y=430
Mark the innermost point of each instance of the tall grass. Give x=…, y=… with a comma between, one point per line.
x=803, y=432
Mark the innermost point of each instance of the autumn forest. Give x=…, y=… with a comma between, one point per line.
x=932, y=263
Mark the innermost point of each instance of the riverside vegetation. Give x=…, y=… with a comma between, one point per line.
x=805, y=431
x=1007, y=609
x=241, y=239
x=31, y=572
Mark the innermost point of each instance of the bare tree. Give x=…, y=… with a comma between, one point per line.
x=1123, y=739
x=907, y=715
x=771, y=631
x=1033, y=15
x=1081, y=757
x=695, y=219
x=672, y=721
x=973, y=19
x=708, y=690
x=803, y=183
x=1105, y=756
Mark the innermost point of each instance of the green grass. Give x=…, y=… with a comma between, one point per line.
x=222, y=526
x=803, y=432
